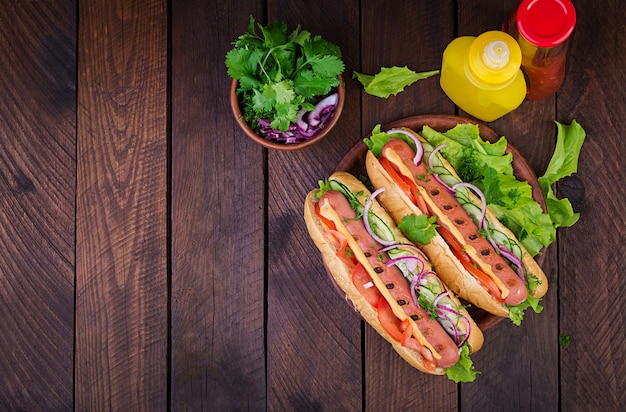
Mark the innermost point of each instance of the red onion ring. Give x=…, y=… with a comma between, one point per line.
x=432, y=155
x=467, y=323
x=419, y=149
x=510, y=256
x=366, y=220
x=414, y=288
x=407, y=246
x=405, y=259
x=483, y=206
x=442, y=183
x=439, y=296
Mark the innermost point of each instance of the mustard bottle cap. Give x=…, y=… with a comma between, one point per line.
x=494, y=58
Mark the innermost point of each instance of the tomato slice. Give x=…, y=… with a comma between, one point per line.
x=402, y=184
x=346, y=254
x=389, y=320
x=329, y=223
x=406, y=185
x=402, y=331
x=407, y=332
x=469, y=265
x=450, y=239
x=360, y=278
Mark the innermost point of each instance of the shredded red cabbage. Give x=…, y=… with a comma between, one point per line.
x=308, y=125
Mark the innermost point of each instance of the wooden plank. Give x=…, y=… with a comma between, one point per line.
x=405, y=34
x=314, y=336
x=408, y=34
x=592, y=254
x=218, y=220
x=121, y=218
x=37, y=168
x=509, y=381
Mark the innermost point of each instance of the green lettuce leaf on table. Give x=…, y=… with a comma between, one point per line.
x=390, y=80
x=564, y=163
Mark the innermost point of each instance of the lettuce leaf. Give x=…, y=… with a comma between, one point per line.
x=485, y=165
x=463, y=370
x=468, y=153
x=516, y=313
x=378, y=138
x=564, y=162
x=390, y=80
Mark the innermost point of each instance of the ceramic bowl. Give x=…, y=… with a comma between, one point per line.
x=234, y=104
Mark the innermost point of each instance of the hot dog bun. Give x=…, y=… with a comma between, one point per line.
x=531, y=264
x=445, y=263
x=342, y=273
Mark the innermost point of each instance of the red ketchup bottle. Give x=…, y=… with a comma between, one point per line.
x=542, y=29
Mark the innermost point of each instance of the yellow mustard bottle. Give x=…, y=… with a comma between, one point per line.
x=482, y=74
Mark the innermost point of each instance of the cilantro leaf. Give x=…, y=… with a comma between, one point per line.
x=242, y=65
x=327, y=66
x=280, y=74
x=274, y=34
x=308, y=85
x=419, y=229
x=390, y=80
x=299, y=36
x=317, y=46
x=262, y=102
x=282, y=92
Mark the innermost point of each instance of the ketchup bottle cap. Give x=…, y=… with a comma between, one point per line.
x=546, y=23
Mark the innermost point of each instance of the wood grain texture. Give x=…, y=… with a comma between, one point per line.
x=153, y=258
x=121, y=219
x=403, y=34
x=218, y=220
x=37, y=168
x=314, y=337
x=592, y=284
x=519, y=365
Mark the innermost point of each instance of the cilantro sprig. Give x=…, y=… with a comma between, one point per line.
x=419, y=228
x=280, y=73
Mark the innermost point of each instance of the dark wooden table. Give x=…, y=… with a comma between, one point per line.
x=153, y=258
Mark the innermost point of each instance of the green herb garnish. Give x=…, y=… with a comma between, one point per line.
x=279, y=73
x=419, y=228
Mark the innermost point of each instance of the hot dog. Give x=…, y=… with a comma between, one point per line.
x=474, y=253
x=388, y=280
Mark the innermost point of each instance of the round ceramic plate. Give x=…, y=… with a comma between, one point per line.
x=354, y=162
